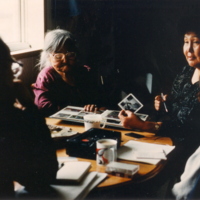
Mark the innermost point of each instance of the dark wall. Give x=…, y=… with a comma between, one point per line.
x=147, y=38
x=125, y=39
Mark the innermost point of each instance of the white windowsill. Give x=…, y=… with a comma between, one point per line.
x=26, y=53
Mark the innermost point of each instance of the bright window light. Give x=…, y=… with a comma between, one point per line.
x=22, y=23
x=10, y=20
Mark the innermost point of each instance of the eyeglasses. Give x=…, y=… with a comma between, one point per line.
x=61, y=56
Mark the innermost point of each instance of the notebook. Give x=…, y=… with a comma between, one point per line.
x=81, y=190
x=73, y=171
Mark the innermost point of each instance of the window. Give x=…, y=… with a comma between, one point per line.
x=22, y=23
x=10, y=20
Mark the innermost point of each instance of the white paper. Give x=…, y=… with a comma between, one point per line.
x=130, y=150
x=98, y=179
x=62, y=160
x=73, y=171
x=80, y=191
x=73, y=192
x=151, y=155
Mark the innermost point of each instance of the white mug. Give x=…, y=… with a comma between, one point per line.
x=106, y=151
x=93, y=121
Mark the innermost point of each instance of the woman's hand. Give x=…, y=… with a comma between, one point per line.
x=158, y=100
x=129, y=120
x=91, y=108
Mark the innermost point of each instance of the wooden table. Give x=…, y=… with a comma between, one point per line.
x=145, y=172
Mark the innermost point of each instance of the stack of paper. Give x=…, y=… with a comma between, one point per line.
x=81, y=190
x=144, y=152
x=76, y=172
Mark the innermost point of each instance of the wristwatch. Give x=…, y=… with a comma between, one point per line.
x=157, y=126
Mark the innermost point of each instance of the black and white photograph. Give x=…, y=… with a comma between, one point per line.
x=130, y=102
x=112, y=114
x=82, y=113
x=142, y=116
x=72, y=109
x=78, y=117
x=62, y=115
x=112, y=121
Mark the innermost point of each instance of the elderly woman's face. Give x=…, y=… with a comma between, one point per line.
x=63, y=60
x=191, y=49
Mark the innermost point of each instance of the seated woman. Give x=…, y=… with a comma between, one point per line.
x=183, y=122
x=27, y=153
x=185, y=105
x=62, y=80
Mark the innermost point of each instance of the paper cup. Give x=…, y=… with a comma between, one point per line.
x=93, y=121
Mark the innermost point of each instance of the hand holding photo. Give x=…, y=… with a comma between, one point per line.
x=130, y=102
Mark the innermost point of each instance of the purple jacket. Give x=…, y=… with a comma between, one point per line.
x=52, y=93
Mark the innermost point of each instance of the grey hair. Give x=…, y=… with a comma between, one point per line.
x=54, y=40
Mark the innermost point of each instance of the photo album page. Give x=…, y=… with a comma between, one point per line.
x=76, y=114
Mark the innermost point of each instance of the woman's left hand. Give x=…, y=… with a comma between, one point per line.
x=91, y=108
x=129, y=120
x=158, y=100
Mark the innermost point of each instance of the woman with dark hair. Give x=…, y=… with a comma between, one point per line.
x=62, y=80
x=183, y=104
x=183, y=120
x=27, y=153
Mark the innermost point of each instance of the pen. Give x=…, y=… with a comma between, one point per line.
x=165, y=154
x=162, y=96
